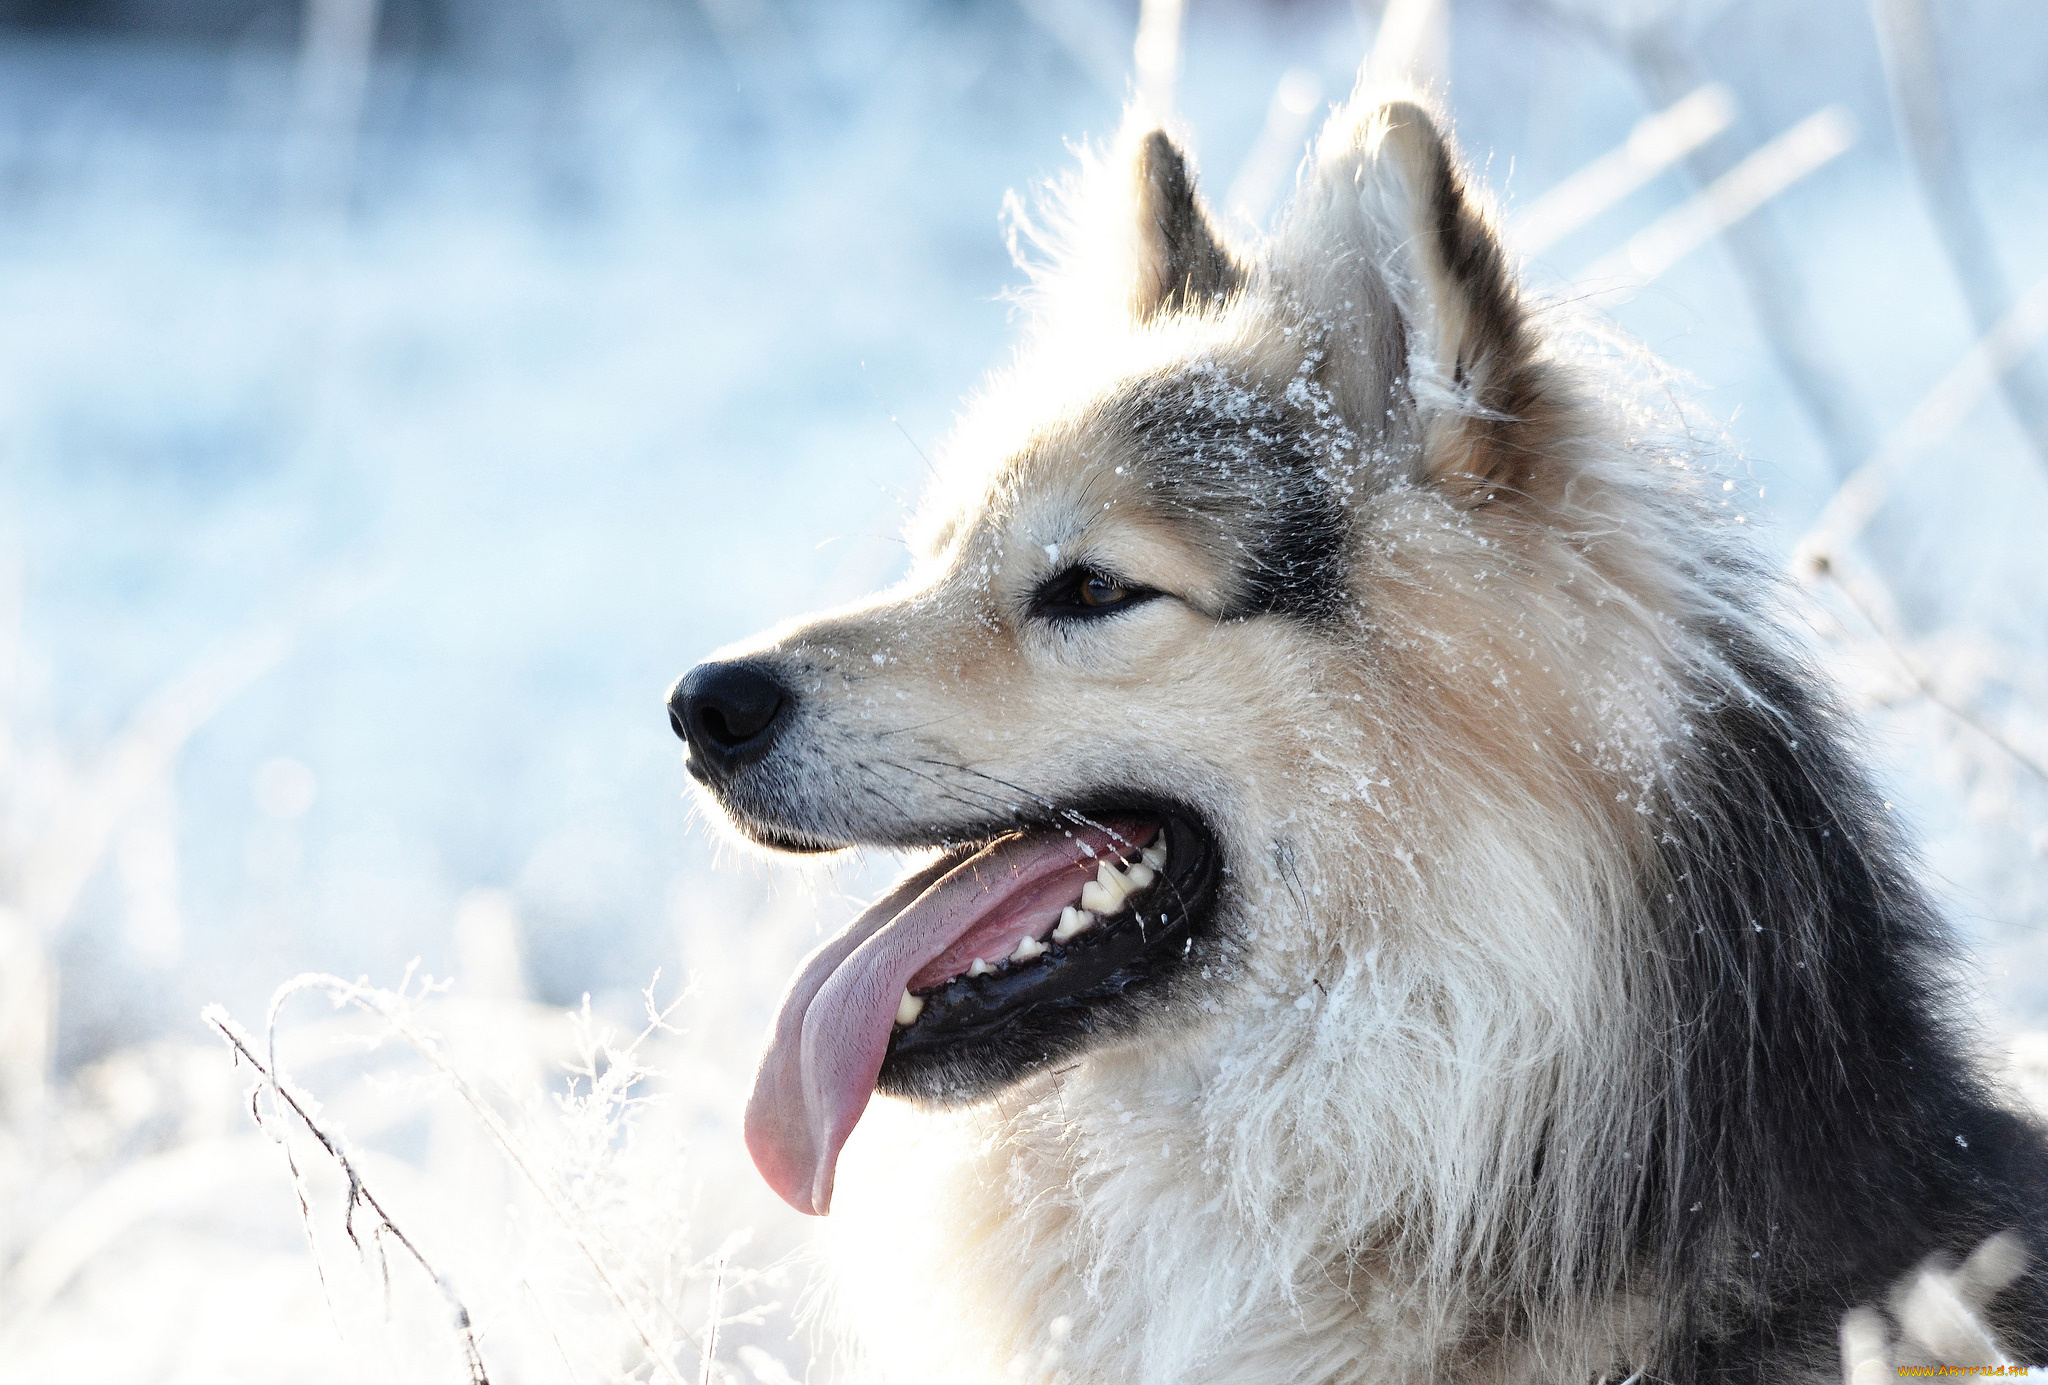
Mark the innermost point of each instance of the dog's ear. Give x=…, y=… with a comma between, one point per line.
x=1488, y=408
x=1182, y=263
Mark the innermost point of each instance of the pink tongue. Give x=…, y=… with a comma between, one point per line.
x=832, y=1031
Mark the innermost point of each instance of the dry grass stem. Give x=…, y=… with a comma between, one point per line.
x=359, y=1193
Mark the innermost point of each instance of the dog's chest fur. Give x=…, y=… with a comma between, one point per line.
x=1137, y=1228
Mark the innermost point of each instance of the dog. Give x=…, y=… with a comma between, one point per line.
x=1394, y=904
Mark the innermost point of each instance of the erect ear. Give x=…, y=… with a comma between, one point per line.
x=1489, y=408
x=1182, y=263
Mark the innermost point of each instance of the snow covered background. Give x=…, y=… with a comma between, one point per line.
x=371, y=460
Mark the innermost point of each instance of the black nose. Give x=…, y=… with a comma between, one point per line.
x=729, y=714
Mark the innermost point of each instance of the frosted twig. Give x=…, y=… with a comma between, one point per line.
x=1644, y=41
x=1727, y=200
x=1824, y=566
x=381, y=1004
x=1411, y=44
x=711, y=1325
x=1919, y=97
x=1278, y=147
x=1155, y=53
x=547, y=1320
x=1657, y=141
x=1991, y=358
x=359, y=1194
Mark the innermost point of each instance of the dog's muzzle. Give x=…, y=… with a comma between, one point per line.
x=729, y=715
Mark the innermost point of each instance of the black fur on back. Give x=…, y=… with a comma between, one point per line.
x=1820, y=1128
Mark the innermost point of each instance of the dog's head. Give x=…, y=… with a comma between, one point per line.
x=1248, y=571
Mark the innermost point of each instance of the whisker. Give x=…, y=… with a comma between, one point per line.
x=920, y=726
x=1072, y=815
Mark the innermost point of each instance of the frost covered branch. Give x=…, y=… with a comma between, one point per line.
x=359, y=1193
x=1644, y=41
x=600, y=1085
x=1855, y=592
x=1919, y=96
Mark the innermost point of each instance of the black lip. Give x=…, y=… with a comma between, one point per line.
x=774, y=837
x=796, y=846
x=976, y=1035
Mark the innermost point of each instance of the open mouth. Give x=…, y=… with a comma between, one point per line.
x=973, y=971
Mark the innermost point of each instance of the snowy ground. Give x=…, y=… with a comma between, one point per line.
x=353, y=523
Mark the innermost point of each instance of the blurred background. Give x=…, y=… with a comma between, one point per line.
x=396, y=395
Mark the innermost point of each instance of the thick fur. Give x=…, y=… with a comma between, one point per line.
x=1572, y=1009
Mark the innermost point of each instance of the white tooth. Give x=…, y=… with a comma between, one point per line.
x=1097, y=900
x=1154, y=856
x=1073, y=923
x=1140, y=875
x=909, y=1008
x=980, y=968
x=1028, y=947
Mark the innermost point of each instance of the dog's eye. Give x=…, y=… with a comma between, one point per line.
x=1085, y=593
x=1097, y=591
